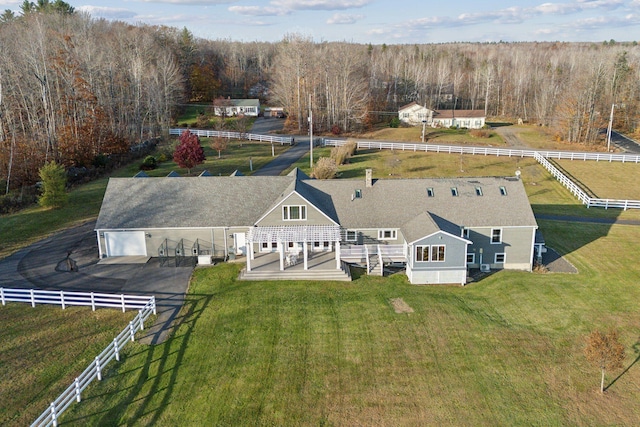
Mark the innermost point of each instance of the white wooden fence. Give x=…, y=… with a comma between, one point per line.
x=235, y=135
x=487, y=151
x=146, y=307
x=540, y=156
x=69, y=298
x=581, y=195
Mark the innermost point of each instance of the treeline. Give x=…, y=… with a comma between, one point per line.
x=74, y=89
x=77, y=91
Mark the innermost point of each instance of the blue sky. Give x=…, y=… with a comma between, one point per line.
x=380, y=21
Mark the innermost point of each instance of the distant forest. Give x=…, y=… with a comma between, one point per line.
x=75, y=89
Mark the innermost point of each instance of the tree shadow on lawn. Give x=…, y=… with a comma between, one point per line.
x=160, y=366
x=636, y=350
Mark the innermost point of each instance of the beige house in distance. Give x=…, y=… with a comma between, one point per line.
x=414, y=114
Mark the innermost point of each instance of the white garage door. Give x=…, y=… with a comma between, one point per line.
x=125, y=243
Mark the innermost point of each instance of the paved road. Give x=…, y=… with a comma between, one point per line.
x=627, y=144
x=43, y=264
x=286, y=159
x=583, y=219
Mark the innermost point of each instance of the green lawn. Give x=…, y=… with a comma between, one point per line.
x=434, y=136
x=43, y=349
x=605, y=180
x=506, y=350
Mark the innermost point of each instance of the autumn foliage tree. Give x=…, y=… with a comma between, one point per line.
x=189, y=152
x=604, y=351
x=219, y=144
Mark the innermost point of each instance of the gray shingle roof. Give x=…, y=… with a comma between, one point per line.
x=394, y=202
x=188, y=201
x=242, y=200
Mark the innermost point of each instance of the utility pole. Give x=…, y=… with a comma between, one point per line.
x=310, y=134
x=609, y=129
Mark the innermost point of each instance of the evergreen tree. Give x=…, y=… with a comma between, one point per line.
x=54, y=181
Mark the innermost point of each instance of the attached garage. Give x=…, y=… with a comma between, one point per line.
x=125, y=243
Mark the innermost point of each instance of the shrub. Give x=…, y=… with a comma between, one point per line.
x=480, y=133
x=203, y=121
x=162, y=157
x=149, y=163
x=325, y=168
x=335, y=129
x=394, y=123
x=351, y=147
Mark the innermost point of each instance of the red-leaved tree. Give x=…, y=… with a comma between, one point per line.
x=189, y=152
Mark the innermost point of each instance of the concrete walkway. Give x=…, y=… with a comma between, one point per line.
x=43, y=265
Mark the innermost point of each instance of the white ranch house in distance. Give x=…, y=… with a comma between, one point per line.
x=414, y=114
x=236, y=107
x=296, y=227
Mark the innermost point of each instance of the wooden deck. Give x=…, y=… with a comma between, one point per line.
x=321, y=266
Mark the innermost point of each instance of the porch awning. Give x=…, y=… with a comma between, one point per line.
x=294, y=233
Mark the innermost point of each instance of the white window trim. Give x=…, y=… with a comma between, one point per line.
x=504, y=258
x=394, y=234
x=286, y=212
x=473, y=258
x=430, y=252
x=491, y=237
x=355, y=236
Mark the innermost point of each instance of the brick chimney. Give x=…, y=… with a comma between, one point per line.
x=368, y=178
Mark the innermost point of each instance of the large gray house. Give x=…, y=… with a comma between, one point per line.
x=438, y=228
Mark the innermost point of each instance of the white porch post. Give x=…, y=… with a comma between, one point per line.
x=99, y=244
x=338, y=263
x=250, y=247
x=249, y=258
x=305, y=251
x=281, y=254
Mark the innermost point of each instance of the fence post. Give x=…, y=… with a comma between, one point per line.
x=62, y=299
x=2, y=296
x=122, y=299
x=98, y=369
x=93, y=302
x=132, y=332
x=153, y=299
x=33, y=300
x=77, y=383
x=116, y=349
x=54, y=416
x=140, y=318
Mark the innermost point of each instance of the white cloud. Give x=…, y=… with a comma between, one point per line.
x=320, y=4
x=342, y=18
x=107, y=12
x=259, y=11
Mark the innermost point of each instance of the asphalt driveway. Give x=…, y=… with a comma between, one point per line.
x=43, y=265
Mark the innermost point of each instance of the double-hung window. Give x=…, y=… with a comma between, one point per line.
x=294, y=212
x=496, y=235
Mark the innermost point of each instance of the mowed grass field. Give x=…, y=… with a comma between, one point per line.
x=506, y=350
x=606, y=180
x=43, y=349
